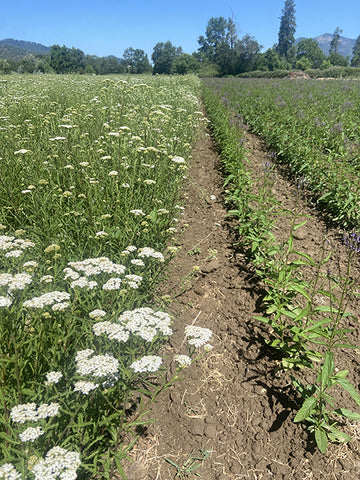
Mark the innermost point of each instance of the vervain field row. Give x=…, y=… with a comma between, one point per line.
x=307, y=334
x=312, y=126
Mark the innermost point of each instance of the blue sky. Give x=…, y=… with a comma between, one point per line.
x=109, y=27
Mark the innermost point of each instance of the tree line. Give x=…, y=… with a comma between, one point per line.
x=221, y=52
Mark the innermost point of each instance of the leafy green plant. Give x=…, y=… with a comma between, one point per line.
x=189, y=467
x=318, y=410
x=315, y=409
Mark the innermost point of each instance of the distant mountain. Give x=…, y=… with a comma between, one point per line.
x=17, y=49
x=345, y=47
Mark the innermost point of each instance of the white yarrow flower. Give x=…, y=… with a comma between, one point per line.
x=97, y=366
x=197, y=336
x=58, y=464
x=149, y=363
x=178, y=160
x=183, y=360
x=9, y=472
x=60, y=307
x=14, y=253
x=137, y=212
x=97, y=313
x=31, y=434
x=53, y=377
x=112, y=284
x=5, y=302
x=85, y=387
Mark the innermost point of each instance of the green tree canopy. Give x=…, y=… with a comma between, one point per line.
x=338, y=60
x=163, y=57
x=215, y=38
x=248, y=49
x=66, y=60
x=269, y=60
x=136, y=61
x=185, y=63
x=222, y=47
x=309, y=49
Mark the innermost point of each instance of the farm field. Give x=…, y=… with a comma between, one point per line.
x=244, y=253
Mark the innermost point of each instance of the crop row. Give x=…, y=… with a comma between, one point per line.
x=307, y=333
x=313, y=127
x=90, y=182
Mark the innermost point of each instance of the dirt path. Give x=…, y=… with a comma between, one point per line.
x=234, y=404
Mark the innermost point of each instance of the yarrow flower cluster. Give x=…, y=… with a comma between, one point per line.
x=18, y=281
x=31, y=434
x=84, y=387
x=9, y=472
x=184, y=361
x=149, y=363
x=95, y=266
x=13, y=243
x=5, y=301
x=142, y=322
x=84, y=282
x=146, y=323
x=97, y=313
x=27, y=412
x=197, y=336
x=96, y=366
x=150, y=252
x=137, y=212
x=114, y=331
x=49, y=298
x=178, y=160
x=53, y=377
x=113, y=284
x=57, y=464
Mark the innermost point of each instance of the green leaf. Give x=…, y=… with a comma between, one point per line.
x=336, y=435
x=341, y=374
x=323, y=308
x=299, y=289
x=299, y=225
x=120, y=469
x=318, y=324
x=349, y=388
x=306, y=409
x=346, y=345
x=271, y=309
x=344, y=412
x=321, y=440
x=305, y=255
x=263, y=319
x=327, y=368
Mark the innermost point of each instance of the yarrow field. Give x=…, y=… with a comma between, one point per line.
x=90, y=184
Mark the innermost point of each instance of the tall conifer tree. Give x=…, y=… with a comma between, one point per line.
x=287, y=28
x=355, y=62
